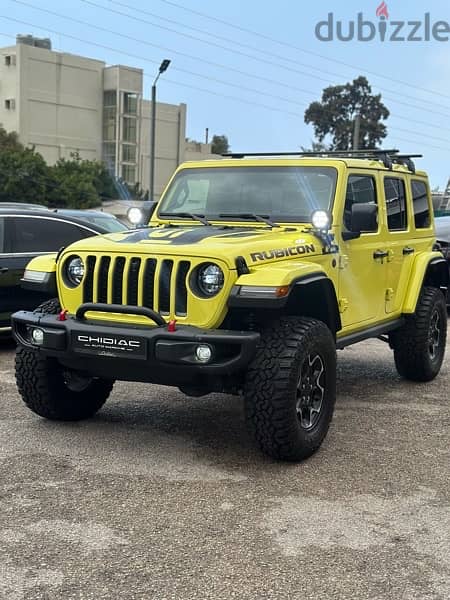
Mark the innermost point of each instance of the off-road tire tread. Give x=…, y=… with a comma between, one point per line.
x=269, y=416
x=410, y=342
x=40, y=383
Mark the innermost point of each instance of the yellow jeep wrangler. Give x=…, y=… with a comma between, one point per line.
x=252, y=271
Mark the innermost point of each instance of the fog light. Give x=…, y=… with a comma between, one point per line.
x=37, y=335
x=203, y=353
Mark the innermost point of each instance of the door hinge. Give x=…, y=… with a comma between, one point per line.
x=343, y=261
x=343, y=305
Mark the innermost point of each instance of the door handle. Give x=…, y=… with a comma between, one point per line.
x=380, y=254
x=408, y=250
x=3, y=270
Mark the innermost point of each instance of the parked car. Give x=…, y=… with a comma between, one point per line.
x=442, y=225
x=95, y=217
x=29, y=232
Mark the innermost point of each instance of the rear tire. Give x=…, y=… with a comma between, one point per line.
x=52, y=391
x=290, y=388
x=419, y=346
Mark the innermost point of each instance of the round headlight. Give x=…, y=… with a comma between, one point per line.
x=210, y=279
x=74, y=270
x=135, y=215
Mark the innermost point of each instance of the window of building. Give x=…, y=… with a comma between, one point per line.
x=129, y=129
x=420, y=204
x=109, y=123
x=110, y=98
x=129, y=153
x=360, y=190
x=129, y=174
x=130, y=103
x=10, y=59
x=10, y=104
x=109, y=154
x=395, y=194
x=44, y=235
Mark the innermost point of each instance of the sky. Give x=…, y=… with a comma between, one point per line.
x=249, y=70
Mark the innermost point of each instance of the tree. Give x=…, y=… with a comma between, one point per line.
x=316, y=147
x=9, y=141
x=80, y=183
x=336, y=113
x=219, y=144
x=24, y=177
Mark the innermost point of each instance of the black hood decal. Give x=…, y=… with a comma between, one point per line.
x=179, y=236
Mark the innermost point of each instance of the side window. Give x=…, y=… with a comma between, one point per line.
x=2, y=235
x=361, y=189
x=44, y=235
x=395, y=193
x=420, y=204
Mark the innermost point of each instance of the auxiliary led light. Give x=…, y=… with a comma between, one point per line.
x=203, y=353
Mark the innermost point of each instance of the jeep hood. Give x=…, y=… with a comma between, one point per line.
x=255, y=244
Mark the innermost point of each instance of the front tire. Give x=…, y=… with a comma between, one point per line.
x=52, y=391
x=290, y=388
x=419, y=346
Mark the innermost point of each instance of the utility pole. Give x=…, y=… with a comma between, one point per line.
x=356, y=131
x=163, y=67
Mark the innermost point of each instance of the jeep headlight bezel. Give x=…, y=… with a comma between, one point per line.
x=74, y=270
x=207, y=280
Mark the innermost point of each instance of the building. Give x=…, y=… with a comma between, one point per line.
x=62, y=103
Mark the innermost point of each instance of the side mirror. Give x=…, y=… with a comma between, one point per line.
x=364, y=218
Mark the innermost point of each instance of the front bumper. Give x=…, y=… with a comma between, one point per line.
x=136, y=353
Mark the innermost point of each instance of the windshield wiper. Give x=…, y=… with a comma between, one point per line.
x=259, y=218
x=186, y=215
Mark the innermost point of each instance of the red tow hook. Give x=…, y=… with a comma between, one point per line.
x=62, y=315
x=171, y=327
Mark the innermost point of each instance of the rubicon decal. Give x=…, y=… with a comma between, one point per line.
x=362, y=29
x=282, y=252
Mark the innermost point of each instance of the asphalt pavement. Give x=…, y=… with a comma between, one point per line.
x=165, y=497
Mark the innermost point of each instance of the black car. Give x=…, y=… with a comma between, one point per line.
x=95, y=217
x=29, y=232
x=442, y=225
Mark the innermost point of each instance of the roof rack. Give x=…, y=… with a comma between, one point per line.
x=387, y=157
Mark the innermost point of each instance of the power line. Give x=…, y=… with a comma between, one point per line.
x=185, y=85
x=293, y=46
x=234, y=43
x=231, y=84
x=197, y=58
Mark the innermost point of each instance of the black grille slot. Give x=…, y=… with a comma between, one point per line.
x=88, y=287
x=181, y=288
x=149, y=282
x=118, y=280
x=164, y=285
x=133, y=280
x=102, y=279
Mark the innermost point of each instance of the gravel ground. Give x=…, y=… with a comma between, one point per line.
x=164, y=497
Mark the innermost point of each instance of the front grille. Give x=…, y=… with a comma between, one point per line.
x=157, y=284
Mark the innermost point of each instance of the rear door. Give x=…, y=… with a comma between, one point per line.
x=5, y=278
x=32, y=236
x=401, y=244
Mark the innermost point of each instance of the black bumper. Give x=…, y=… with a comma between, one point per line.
x=137, y=353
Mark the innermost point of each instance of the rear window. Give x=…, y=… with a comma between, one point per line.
x=36, y=234
x=421, y=206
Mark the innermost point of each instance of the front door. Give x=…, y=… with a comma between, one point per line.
x=362, y=264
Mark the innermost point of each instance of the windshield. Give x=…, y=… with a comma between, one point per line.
x=288, y=194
